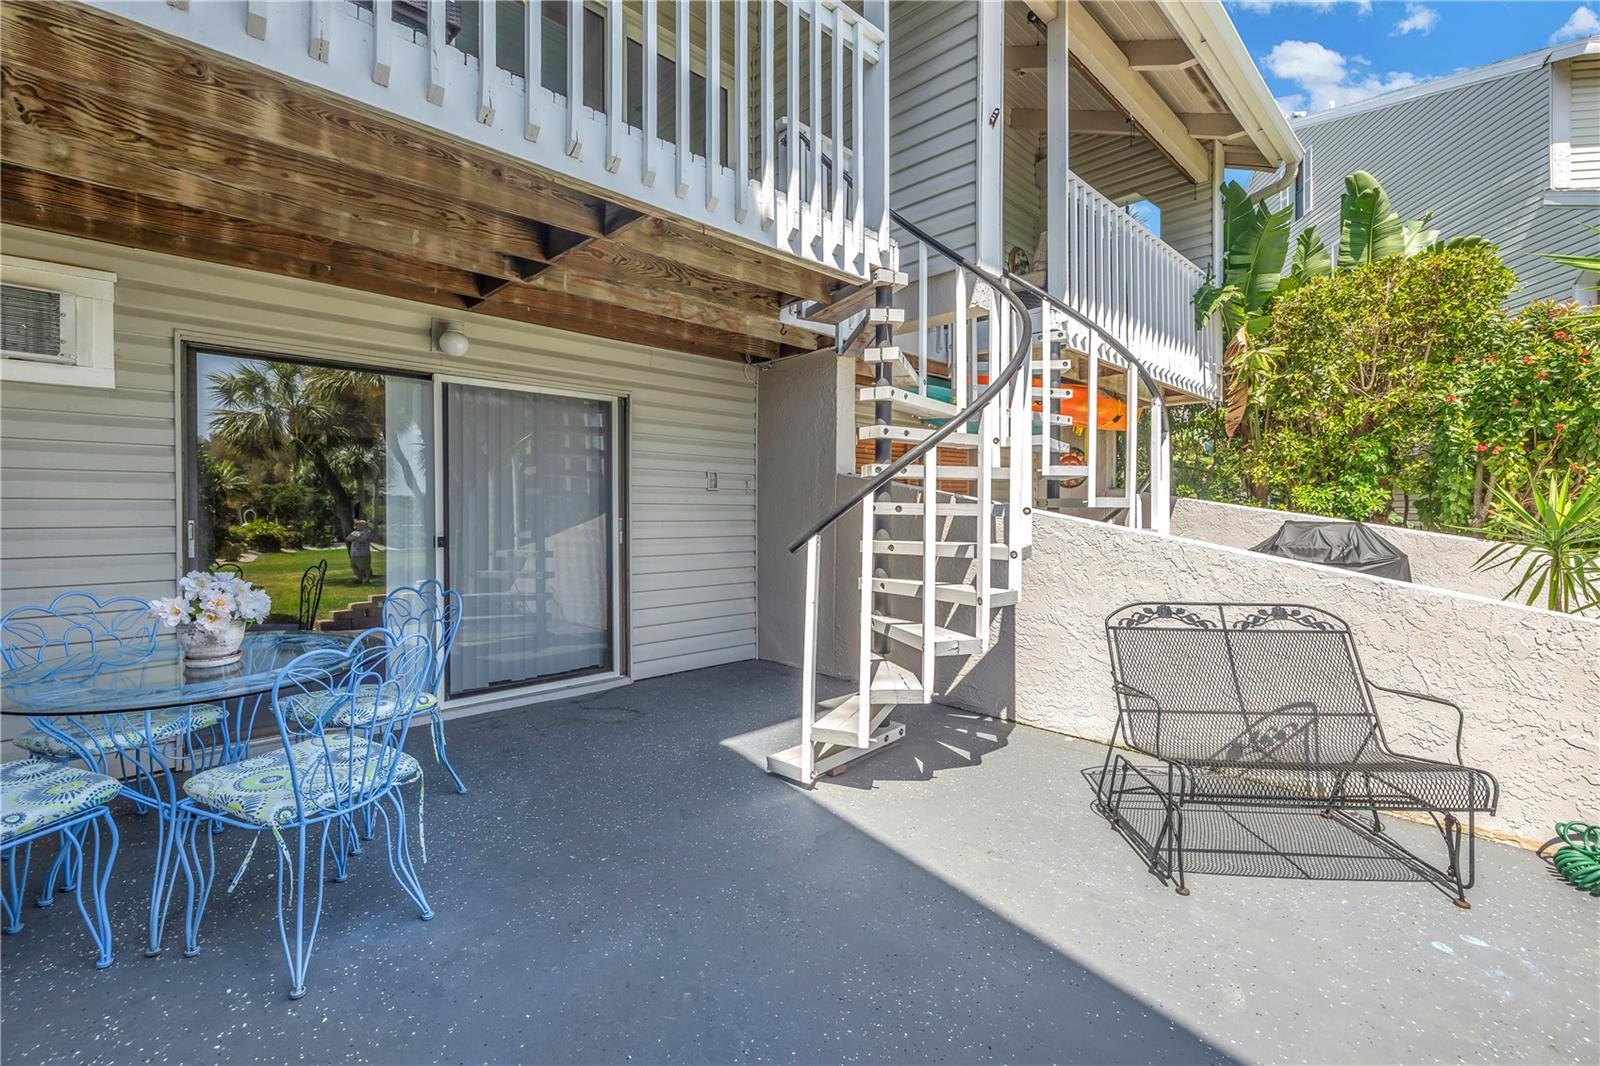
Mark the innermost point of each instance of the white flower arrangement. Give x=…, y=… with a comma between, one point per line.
x=212, y=602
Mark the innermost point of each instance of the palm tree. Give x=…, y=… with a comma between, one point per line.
x=310, y=418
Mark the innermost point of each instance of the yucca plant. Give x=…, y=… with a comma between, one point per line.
x=1553, y=543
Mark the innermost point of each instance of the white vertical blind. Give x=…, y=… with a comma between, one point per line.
x=529, y=533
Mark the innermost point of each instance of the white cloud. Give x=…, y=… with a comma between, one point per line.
x=1261, y=7
x=1324, y=78
x=1581, y=23
x=1420, y=18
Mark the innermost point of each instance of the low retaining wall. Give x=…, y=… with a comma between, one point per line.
x=1438, y=559
x=1528, y=680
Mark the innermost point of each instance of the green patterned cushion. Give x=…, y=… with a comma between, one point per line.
x=368, y=708
x=123, y=731
x=258, y=789
x=35, y=793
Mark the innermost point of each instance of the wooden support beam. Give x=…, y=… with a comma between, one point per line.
x=1157, y=55
x=1026, y=57
x=1099, y=58
x=1215, y=127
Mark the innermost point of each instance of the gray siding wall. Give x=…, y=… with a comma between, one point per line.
x=88, y=477
x=933, y=81
x=1477, y=156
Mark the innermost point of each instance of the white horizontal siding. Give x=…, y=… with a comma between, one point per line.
x=88, y=477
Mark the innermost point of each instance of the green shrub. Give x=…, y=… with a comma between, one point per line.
x=1354, y=366
x=265, y=535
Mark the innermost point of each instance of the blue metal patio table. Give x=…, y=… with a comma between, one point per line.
x=70, y=697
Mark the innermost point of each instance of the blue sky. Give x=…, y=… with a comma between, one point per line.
x=1317, y=53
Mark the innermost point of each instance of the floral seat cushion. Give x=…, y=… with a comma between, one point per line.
x=259, y=789
x=368, y=707
x=35, y=793
x=122, y=731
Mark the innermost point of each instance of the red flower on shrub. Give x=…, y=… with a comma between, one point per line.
x=1527, y=360
x=1542, y=374
x=1560, y=426
x=1450, y=398
x=1497, y=449
x=1482, y=447
x=1561, y=335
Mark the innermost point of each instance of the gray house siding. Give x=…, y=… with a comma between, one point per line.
x=933, y=83
x=1476, y=155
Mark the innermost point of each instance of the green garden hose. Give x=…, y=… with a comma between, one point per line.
x=1579, y=860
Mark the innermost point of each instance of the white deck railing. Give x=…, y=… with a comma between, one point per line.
x=729, y=90
x=1141, y=290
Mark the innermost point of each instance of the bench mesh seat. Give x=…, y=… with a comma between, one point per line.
x=1267, y=704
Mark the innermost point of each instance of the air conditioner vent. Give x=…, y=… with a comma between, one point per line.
x=36, y=324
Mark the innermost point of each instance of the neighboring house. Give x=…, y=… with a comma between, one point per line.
x=602, y=418
x=1509, y=151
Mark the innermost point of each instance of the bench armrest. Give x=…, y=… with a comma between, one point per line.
x=1122, y=688
x=1461, y=718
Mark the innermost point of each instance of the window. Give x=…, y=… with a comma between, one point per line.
x=1302, y=187
x=55, y=324
x=1575, y=131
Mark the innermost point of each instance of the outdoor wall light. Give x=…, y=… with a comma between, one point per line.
x=449, y=339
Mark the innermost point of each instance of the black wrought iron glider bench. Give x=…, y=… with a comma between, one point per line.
x=1267, y=706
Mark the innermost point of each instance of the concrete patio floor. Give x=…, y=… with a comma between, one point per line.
x=625, y=883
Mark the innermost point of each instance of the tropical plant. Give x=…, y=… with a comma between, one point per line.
x=1578, y=262
x=1553, y=541
x=1256, y=239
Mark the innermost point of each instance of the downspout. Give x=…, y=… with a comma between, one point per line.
x=1279, y=184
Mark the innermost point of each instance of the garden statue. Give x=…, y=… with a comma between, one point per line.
x=359, y=544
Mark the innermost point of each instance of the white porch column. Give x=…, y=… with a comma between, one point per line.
x=991, y=251
x=1057, y=169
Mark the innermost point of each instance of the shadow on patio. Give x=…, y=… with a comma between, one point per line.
x=622, y=882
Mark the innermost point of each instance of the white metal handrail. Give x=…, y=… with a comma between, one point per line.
x=736, y=81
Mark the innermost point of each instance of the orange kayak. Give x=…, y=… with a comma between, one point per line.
x=1112, y=414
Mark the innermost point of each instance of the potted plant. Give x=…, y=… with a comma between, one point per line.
x=209, y=615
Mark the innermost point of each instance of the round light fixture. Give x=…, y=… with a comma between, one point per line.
x=453, y=340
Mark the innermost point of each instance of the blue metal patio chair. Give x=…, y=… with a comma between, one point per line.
x=335, y=764
x=40, y=798
x=429, y=609
x=115, y=744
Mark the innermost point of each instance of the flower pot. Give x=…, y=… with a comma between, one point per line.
x=208, y=647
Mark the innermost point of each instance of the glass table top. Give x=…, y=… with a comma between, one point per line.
x=153, y=676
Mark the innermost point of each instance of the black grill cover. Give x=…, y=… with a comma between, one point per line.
x=1350, y=545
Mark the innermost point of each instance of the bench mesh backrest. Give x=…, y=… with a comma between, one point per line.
x=1240, y=686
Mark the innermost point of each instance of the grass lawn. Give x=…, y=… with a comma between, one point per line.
x=279, y=573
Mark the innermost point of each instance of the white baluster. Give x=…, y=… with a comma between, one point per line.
x=255, y=19
x=533, y=55
x=741, y=108
x=769, y=89
x=922, y=318
x=930, y=566
x=791, y=220
x=988, y=459
x=650, y=99
x=436, y=53
x=864, y=659
x=319, y=44
x=574, y=77
x=808, y=670
x=382, y=40
x=960, y=335
x=811, y=232
x=682, y=30
x=616, y=95
x=857, y=249
x=835, y=230
x=713, y=49
x=486, y=67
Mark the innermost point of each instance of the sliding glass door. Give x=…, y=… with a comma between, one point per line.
x=530, y=534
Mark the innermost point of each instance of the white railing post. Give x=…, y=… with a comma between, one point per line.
x=864, y=653
x=811, y=231
x=574, y=77
x=1160, y=469
x=436, y=53
x=808, y=668
x=319, y=43
x=382, y=40
x=1130, y=458
x=769, y=89
x=876, y=88
x=1091, y=415
x=532, y=57
x=930, y=567
x=486, y=67
x=741, y=109
x=857, y=250
x=791, y=99
x=988, y=457
x=922, y=317
x=681, y=30
x=616, y=94
x=713, y=51
x=649, y=97
x=1021, y=440
x=835, y=228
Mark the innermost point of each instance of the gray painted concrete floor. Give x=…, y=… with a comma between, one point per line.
x=624, y=883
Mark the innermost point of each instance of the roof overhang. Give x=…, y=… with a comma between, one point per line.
x=1208, y=31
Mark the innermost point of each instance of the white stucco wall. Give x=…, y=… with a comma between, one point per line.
x=1528, y=680
x=1438, y=559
